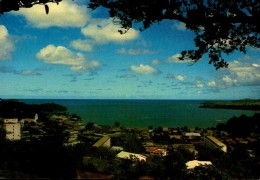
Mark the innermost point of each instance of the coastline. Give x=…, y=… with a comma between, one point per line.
x=244, y=104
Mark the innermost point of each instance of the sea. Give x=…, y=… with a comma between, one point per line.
x=144, y=113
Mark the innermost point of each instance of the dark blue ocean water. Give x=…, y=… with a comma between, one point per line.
x=143, y=113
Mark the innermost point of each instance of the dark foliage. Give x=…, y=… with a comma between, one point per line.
x=241, y=126
x=220, y=26
x=15, y=5
x=17, y=109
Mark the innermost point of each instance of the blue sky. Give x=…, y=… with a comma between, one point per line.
x=76, y=53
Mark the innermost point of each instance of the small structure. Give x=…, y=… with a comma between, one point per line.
x=192, y=135
x=73, y=138
x=194, y=163
x=117, y=148
x=214, y=143
x=105, y=141
x=36, y=117
x=128, y=155
x=157, y=151
x=13, y=129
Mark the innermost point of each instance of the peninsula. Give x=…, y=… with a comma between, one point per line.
x=244, y=104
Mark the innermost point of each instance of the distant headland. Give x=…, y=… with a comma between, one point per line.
x=243, y=104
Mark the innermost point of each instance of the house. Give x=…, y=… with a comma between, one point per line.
x=214, y=143
x=13, y=129
x=194, y=163
x=73, y=137
x=117, y=148
x=192, y=135
x=128, y=155
x=105, y=141
x=30, y=120
x=157, y=151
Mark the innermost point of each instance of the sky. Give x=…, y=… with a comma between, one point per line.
x=76, y=53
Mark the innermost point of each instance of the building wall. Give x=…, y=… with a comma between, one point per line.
x=214, y=143
x=107, y=143
x=13, y=131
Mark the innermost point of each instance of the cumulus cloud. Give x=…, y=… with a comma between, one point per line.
x=62, y=56
x=199, y=84
x=238, y=74
x=242, y=74
x=175, y=59
x=82, y=45
x=180, y=77
x=6, y=44
x=135, y=51
x=66, y=14
x=104, y=31
x=212, y=83
x=156, y=62
x=179, y=26
x=144, y=69
x=176, y=77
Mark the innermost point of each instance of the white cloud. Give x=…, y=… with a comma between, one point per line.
x=135, y=51
x=156, y=62
x=66, y=14
x=176, y=77
x=180, y=26
x=199, y=84
x=6, y=44
x=82, y=45
x=212, y=84
x=180, y=77
x=175, y=59
x=237, y=74
x=255, y=65
x=62, y=56
x=104, y=31
x=242, y=74
x=228, y=81
x=144, y=69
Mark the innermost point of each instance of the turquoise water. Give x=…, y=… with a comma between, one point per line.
x=143, y=113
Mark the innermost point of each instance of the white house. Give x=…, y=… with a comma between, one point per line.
x=195, y=163
x=13, y=129
x=128, y=155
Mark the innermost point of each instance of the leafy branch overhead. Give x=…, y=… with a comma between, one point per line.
x=220, y=27
x=15, y=5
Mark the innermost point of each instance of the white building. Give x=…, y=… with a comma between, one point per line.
x=214, y=143
x=128, y=155
x=13, y=129
x=195, y=163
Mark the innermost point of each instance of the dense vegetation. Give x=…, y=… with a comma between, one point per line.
x=246, y=104
x=17, y=109
x=241, y=126
x=49, y=157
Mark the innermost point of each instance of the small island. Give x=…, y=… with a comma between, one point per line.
x=244, y=104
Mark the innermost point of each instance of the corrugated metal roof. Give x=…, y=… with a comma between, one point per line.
x=101, y=141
